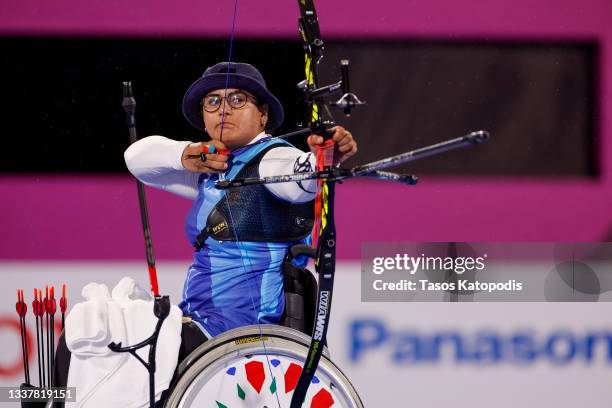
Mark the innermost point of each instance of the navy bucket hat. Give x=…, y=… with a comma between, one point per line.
x=241, y=76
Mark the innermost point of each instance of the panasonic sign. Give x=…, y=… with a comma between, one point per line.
x=405, y=346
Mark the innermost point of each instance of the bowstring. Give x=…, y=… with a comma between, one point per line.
x=243, y=250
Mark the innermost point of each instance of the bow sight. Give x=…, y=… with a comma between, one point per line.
x=346, y=102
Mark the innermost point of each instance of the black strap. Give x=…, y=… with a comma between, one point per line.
x=200, y=239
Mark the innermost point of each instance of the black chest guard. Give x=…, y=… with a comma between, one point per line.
x=256, y=214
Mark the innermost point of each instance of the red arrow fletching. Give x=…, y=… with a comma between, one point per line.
x=20, y=306
x=35, y=304
x=63, y=300
x=51, y=306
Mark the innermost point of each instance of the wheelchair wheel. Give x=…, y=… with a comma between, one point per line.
x=239, y=369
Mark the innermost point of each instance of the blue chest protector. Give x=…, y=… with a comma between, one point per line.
x=235, y=279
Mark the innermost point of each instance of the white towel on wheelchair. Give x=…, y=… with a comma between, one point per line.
x=104, y=378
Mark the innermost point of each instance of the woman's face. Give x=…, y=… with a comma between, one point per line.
x=231, y=123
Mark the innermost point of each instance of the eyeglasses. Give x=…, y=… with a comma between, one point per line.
x=237, y=99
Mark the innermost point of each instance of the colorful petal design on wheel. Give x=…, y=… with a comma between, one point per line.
x=322, y=399
x=291, y=377
x=255, y=374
